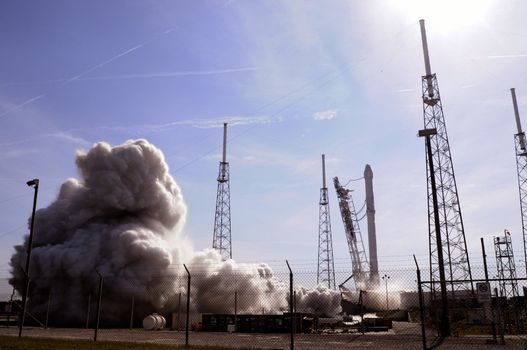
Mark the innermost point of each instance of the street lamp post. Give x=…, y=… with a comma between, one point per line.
x=385, y=279
x=31, y=183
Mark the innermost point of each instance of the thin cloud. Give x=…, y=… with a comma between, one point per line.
x=61, y=135
x=16, y=153
x=508, y=56
x=196, y=123
x=69, y=137
x=285, y=160
x=325, y=115
x=138, y=76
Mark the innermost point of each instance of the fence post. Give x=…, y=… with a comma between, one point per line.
x=10, y=308
x=88, y=311
x=98, y=307
x=47, y=310
x=493, y=322
x=236, y=311
x=421, y=304
x=291, y=305
x=178, y=313
x=235, y=302
x=361, y=304
x=188, y=305
x=132, y=313
x=502, y=331
x=294, y=302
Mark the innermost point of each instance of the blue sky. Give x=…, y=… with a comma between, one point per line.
x=295, y=79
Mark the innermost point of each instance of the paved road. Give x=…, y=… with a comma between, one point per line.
x=403, y=336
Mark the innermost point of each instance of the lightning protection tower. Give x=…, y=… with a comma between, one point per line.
x=521, y=167
x=505, y=265
x=454, y=246
x=222, y=219
x=326, y=266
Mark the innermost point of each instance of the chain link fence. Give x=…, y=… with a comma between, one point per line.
x=251, y=306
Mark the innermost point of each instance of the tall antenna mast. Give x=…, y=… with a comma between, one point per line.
x=454, y=245
x=521, y=168
x=326, y=266
x=221, y=240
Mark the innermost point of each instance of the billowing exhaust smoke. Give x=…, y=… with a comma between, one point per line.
x=123, y=219
x=117, y=219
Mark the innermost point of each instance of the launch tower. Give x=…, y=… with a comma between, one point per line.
x=454, y=247
x=521, y=167
x=222, y=219
x=326, y=266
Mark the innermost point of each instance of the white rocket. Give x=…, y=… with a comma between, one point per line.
x=372, y=237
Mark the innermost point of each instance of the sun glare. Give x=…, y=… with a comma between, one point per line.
x=444, y=16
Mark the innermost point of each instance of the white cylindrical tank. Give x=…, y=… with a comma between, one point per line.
x=154, y=322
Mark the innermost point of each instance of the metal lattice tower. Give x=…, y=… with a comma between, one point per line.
x=326, y=265
x=456, y=260
x=222, y=219
x=505, y=265
x=521, y=167
x=358, y=255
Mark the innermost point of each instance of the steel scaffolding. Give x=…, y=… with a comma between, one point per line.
x=505, y=265
x=358, y=255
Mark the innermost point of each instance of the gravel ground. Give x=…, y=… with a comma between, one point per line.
x=403, y=336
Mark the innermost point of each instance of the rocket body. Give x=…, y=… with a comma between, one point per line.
x=372, y=236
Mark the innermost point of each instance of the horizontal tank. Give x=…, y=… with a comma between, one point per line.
x=154, y=322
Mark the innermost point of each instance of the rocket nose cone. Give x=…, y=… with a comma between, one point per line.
x=367, y=171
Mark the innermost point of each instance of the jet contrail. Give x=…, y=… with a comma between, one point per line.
x=23, y=104
x=91, y=69
x=63, y=135
x=195, y=123
x=97, y=66
x=173, y=74
x=138, y=76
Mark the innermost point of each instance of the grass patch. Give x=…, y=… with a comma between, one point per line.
x=30, y=343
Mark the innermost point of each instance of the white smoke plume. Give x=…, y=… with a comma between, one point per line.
x=118, y=219
x=320, y=301
x=257, y=289
x=124, y=218
x=216, y=282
